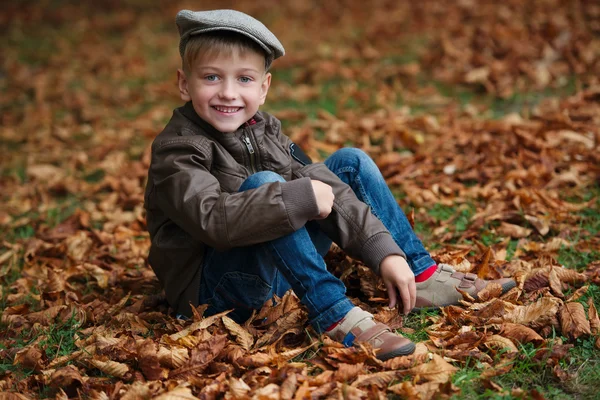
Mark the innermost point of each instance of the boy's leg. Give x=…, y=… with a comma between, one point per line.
x=436, y=284
x=246, y=277
x=356, y=169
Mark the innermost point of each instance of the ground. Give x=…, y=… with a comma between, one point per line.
x=483, y=117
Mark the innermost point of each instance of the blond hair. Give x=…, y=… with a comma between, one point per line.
x=211, y=44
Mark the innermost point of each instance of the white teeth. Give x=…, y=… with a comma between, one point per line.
x=226, y=109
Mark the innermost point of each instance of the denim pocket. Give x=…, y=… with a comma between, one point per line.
x=241, y=292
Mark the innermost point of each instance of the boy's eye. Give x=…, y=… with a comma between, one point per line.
x=211, y=78
x=245, y=79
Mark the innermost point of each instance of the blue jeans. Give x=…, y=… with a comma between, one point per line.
x=244, y=278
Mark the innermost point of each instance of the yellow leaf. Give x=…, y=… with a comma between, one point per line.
x=573, y=321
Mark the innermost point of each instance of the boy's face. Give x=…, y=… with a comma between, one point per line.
x=226, y=91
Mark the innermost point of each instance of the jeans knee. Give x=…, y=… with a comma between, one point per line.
x=259, y=179
x=352, y=157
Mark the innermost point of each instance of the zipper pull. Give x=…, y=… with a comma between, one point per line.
x=248, y=144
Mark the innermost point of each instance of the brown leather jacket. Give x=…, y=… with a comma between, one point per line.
x=192, y=200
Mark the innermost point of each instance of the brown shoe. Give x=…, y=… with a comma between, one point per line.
x=440, y=289
x=359, y=326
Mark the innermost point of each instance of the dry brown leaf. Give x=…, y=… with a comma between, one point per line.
x=406, y=390
x=593, y=317
x=491, y=291
x=138, y=390
x=148, y=361
x=573, y=320
x=500, y=343
x=30, y=357
x=238, y=389
x=288, y=387
x=67, y=377
x=437, y=370
x=540, y=312
x=555, y=284
x=347, y=372
x=514, y=231
x=173, y=357
x=109, y=367
x=201, y=356
x=178, y=393
x=242, y=336
x=379, y=379
x=268, y=392
x=578, y=293
x=521, y=334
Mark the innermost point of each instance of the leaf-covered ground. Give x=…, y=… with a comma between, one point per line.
x=483, y=116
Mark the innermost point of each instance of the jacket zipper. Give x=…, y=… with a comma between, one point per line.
x=250, y=148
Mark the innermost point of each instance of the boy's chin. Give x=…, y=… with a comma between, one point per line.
x=226, y=128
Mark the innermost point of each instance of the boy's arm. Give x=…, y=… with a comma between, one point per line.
x=189, y=195
x=351, y=224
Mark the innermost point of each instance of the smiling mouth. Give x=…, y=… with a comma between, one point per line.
x=227, y=110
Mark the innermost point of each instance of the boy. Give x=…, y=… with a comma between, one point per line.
x=238, y=213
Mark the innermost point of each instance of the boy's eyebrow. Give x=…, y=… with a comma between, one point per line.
x=209, y=67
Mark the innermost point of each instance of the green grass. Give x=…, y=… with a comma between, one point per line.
x=418, y=322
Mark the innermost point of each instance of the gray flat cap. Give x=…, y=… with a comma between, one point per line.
x=192, y=23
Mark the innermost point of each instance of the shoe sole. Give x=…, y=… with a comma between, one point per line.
x=402, y=351
x=505, y=288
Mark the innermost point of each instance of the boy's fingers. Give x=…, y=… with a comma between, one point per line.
x=391, y=294
x=412, y=287
x=406, y=299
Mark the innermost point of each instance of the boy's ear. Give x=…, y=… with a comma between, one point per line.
x=183, y=85
x=264, y=87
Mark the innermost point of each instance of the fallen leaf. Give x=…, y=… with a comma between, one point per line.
x=573, y=320
x=109, y=367
x=521, y=334
x=437, y=370
x=242, y=336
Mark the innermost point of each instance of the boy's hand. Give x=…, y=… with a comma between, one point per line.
x=324, y=196
x=398, y=277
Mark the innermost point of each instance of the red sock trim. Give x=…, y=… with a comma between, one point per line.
x=333, y=325
x=423, y=276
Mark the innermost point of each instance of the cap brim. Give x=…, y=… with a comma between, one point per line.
x=228, y=28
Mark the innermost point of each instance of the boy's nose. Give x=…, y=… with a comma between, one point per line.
x=228, y=91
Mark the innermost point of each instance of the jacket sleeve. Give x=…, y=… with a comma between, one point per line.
x=351, y=224
x=189, y=195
